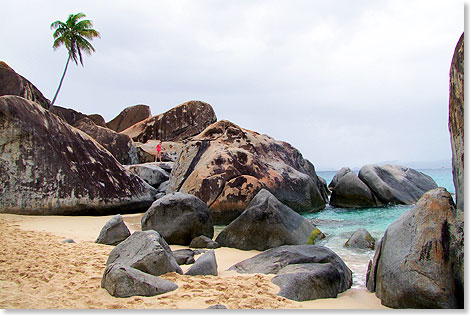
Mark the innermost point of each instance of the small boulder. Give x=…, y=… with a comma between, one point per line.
x=179, y=218
x=113, y=232
x=124, y=281
x=203, y=241
x=266, y=223
x=204, y=266
x=146, y=251
x=184, y=256
x=151, y=173
x=361, y=239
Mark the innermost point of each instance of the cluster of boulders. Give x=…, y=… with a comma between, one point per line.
x=56, y=160
x=377, y=186
x=135, y=264
x=183, y=219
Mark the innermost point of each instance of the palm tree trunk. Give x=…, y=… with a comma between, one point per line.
x=61, y=80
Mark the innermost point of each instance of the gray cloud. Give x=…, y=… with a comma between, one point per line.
x=347, y=83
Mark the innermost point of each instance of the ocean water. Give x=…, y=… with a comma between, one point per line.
x=339, y=223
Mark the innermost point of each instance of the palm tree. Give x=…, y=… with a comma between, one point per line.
x=73, y=34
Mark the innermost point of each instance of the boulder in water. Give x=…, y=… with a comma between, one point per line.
x=351, y=192
x=395, y=184
x=361, y=239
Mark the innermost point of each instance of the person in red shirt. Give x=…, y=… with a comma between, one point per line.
x=159, y=151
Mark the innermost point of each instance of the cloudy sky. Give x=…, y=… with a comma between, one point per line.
x=346, y=82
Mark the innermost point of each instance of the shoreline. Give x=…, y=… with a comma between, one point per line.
x=37, y=270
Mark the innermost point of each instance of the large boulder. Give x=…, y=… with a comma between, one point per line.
x=226, y=166
x=179, y=218
x=273, y=260
x=48, y=167
x=395, y=184
x=304, y=282
x=124, y=281
x=119, y=145
x=205, y=265
x=146, y=251
x=129, y=117
x=179, y=123
x=343, y=171
x=152, y=173
x=456, y=120
x=304, y=272
x=351, y=192
x=266, y=223
x=11, y=83
x=419, y=262
x=113, y=232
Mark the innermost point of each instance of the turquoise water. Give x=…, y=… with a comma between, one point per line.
x=339, y=223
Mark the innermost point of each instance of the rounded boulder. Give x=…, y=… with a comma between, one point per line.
x=179, y=218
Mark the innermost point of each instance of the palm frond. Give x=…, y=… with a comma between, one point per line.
x=73, y=34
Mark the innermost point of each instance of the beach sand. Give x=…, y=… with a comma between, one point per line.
x=39, y=271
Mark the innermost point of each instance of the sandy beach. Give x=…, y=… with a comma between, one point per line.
x=39, y=271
